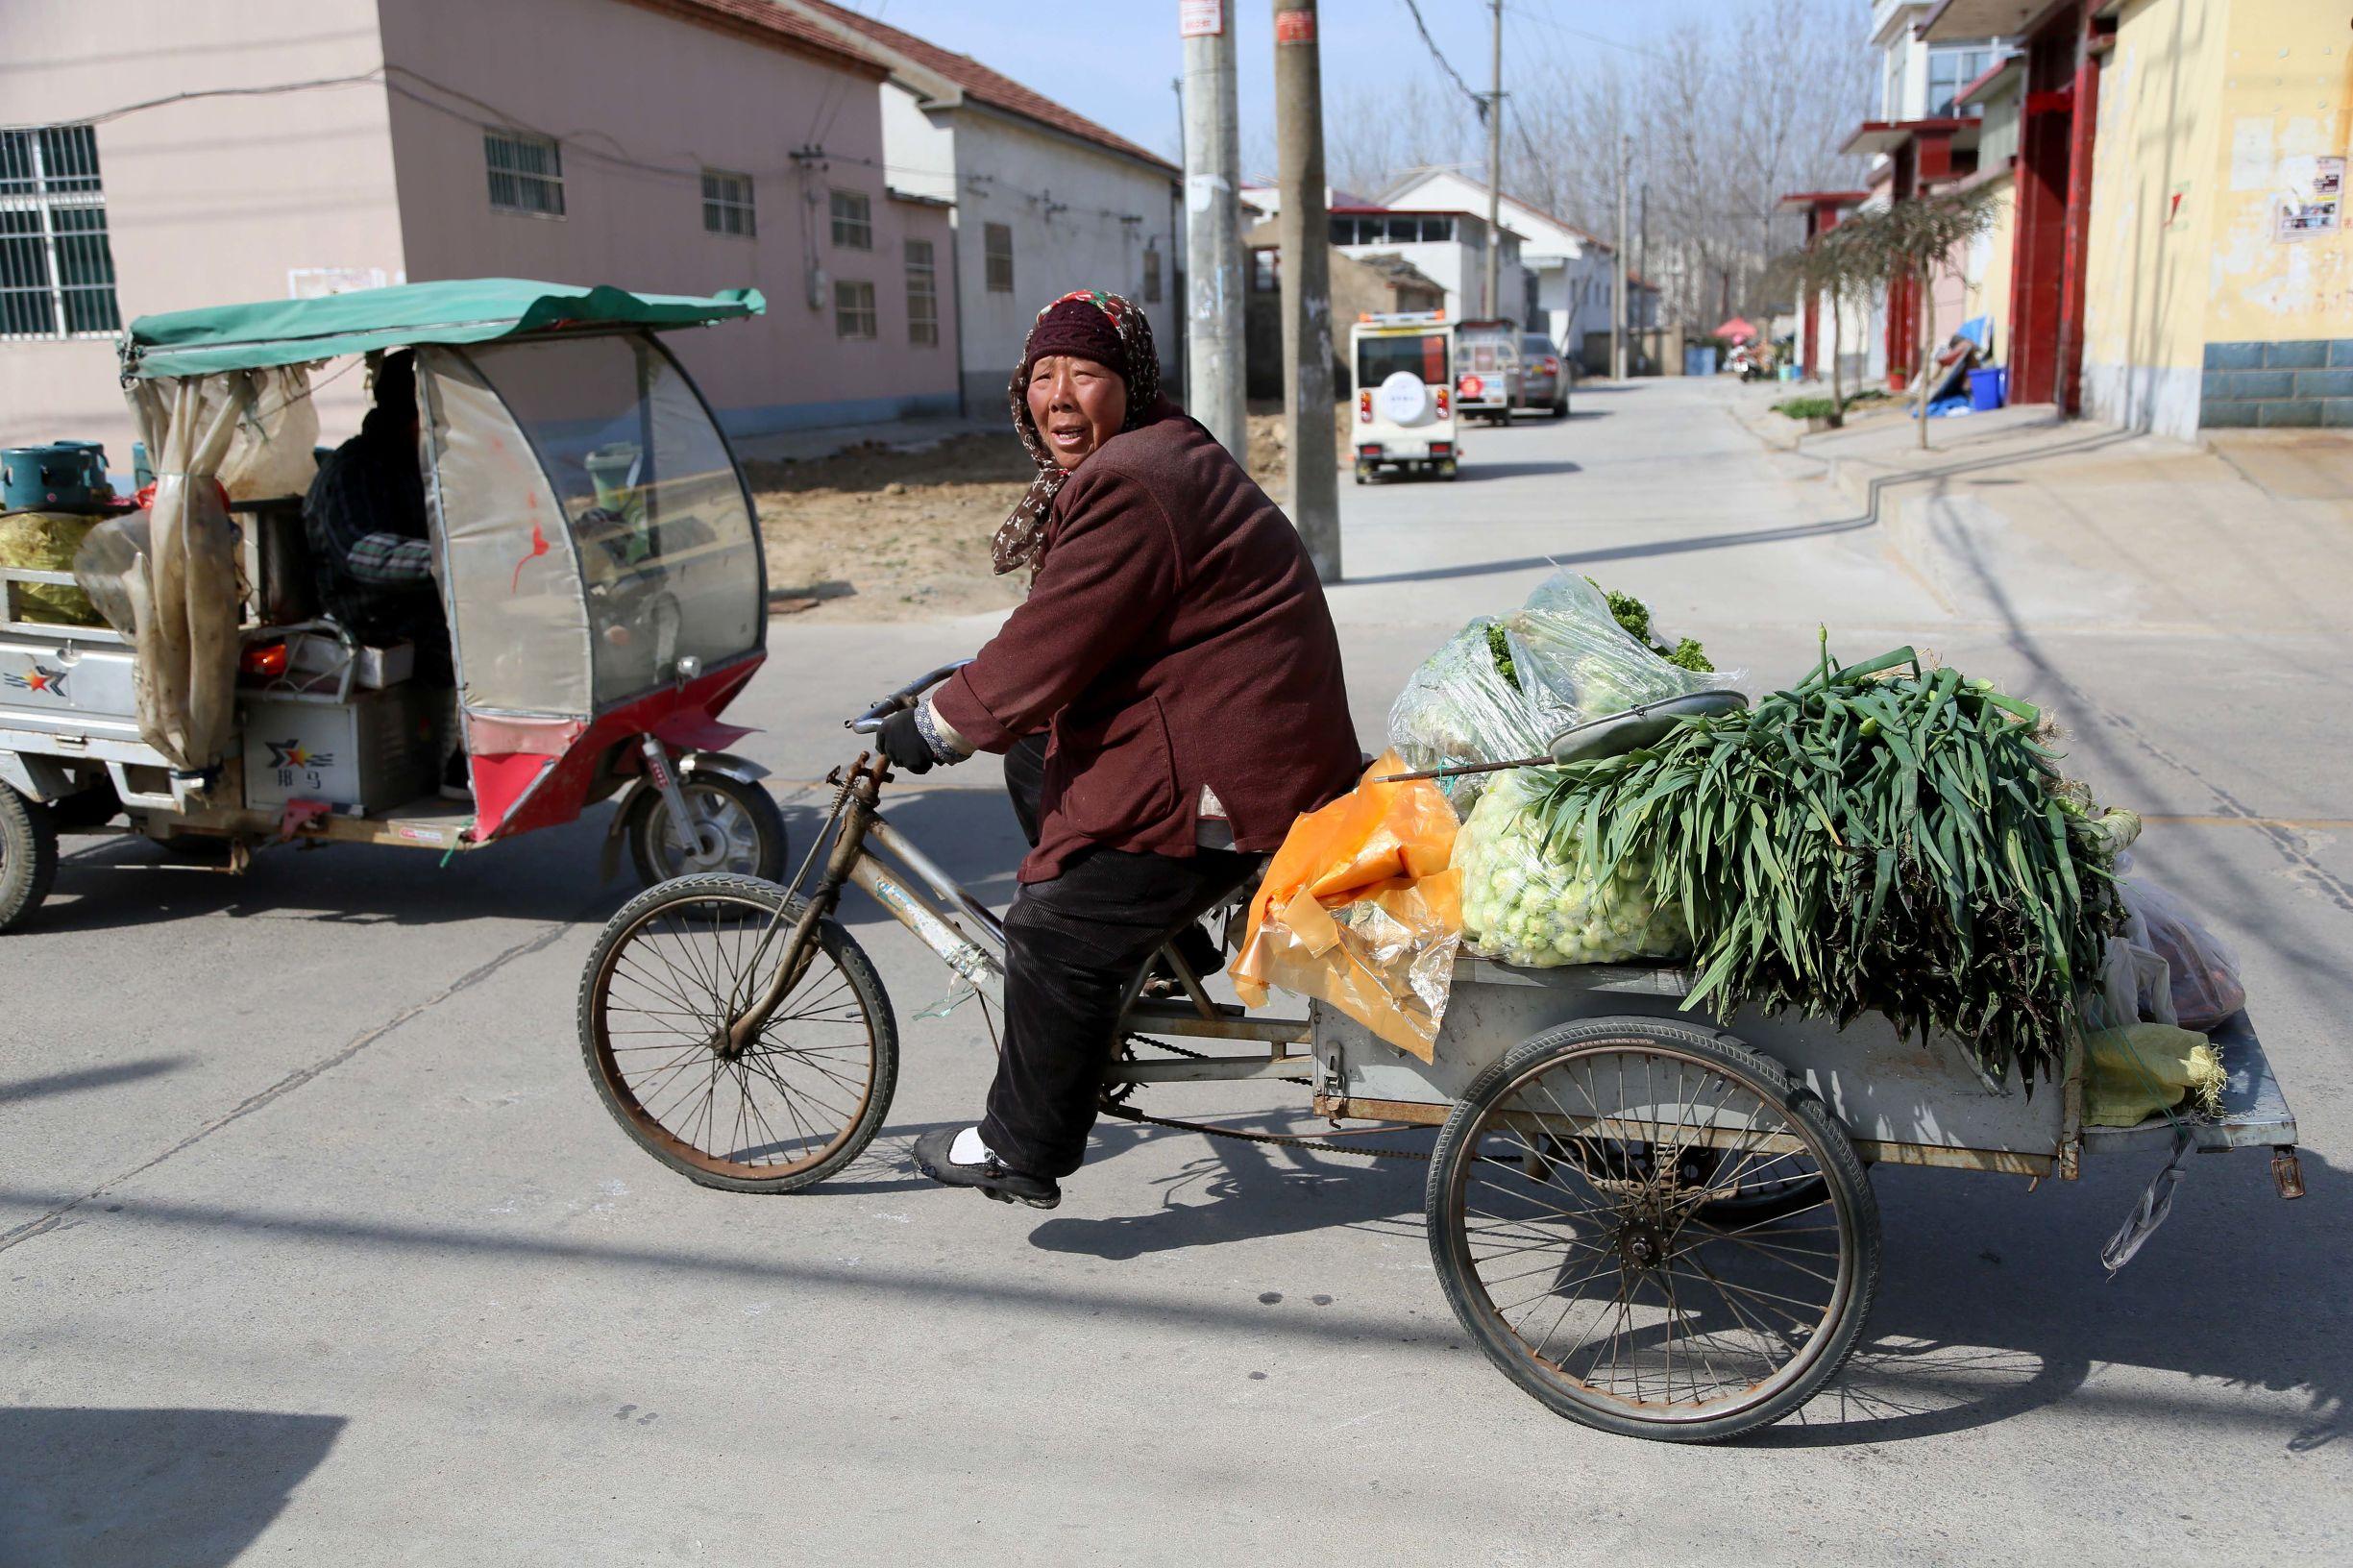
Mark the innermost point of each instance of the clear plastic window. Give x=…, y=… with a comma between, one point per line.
x=665, y=539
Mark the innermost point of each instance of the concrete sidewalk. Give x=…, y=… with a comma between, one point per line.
x=2018, y=516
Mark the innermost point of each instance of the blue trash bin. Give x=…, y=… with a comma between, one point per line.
x=1988, y=388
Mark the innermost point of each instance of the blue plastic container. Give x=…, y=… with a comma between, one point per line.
x=1988, y=388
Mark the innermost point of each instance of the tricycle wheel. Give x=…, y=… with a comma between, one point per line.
x=1574, y=1248
x=27, y=857
x=667, y=975
x=738, y=830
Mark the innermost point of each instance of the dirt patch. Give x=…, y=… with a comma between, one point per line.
x=886, y=533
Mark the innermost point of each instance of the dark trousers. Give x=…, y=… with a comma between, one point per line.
x=1072, y=946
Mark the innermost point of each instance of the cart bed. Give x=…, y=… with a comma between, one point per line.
x=1902, y=1101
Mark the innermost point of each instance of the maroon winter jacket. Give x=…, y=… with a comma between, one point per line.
x=1175, y=636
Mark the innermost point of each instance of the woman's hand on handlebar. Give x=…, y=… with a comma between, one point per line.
x=902, y=740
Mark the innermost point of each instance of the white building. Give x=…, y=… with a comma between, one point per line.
x=1042, y=199
x=1918, y=79
x=1446, y=244
x=1569, y=278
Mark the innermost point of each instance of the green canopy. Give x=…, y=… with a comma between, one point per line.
x=461, y=310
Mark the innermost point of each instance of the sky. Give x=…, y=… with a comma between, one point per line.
x=1115, y=61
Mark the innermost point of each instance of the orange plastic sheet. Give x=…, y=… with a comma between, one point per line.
x=1362, y=909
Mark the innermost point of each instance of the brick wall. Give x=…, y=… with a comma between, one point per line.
x=2305, y=382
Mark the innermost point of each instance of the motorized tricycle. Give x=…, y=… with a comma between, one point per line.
x=597, y=559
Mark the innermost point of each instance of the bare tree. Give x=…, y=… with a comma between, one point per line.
x=1725, y=113
x=1375, y=134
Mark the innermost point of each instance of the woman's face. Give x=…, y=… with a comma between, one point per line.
x=1077, y=405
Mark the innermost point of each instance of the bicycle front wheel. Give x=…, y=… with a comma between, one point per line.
x=667, y=976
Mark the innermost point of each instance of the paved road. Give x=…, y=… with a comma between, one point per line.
x=315, y=1246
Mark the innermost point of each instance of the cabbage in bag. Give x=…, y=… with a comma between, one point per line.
x=1524, y=904
x=1504, y=687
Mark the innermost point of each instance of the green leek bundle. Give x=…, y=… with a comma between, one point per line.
x=1881, y=838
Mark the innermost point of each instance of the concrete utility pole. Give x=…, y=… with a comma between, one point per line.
x=1620, y=319
x=1214, y=387
x=1305, y=229
x=1495, y=165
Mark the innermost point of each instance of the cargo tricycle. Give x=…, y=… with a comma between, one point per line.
x=598, y=564
x=1657, y=1226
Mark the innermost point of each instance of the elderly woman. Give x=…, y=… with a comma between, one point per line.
x=1176, y=650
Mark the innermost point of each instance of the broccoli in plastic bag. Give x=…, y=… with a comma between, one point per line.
x=1563, y=658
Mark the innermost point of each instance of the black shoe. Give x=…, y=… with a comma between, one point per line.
x=995, y=1179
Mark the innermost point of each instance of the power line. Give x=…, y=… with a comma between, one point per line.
x=1561, y=27
x=1479, y=100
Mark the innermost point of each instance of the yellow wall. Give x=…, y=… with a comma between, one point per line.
x=1988, y=272
x=2285, y=96
x=2147, y=262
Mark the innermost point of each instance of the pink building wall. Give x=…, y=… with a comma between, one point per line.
x=642, y=101
x=223, y=199
x=212, y=201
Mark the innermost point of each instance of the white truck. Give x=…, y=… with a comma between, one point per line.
x=1405, y=393
x=1489, y=376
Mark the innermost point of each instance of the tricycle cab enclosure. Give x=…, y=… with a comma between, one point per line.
x=601, y=559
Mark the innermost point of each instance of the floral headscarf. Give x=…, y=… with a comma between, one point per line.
x=1021, y=537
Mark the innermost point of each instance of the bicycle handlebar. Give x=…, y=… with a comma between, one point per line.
x=870, y=721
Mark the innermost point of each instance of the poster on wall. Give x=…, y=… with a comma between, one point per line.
x=2314, y=206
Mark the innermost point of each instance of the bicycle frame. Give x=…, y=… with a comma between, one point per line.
x=946, y=917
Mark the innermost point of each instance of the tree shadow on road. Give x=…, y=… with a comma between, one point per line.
x=193, y=1488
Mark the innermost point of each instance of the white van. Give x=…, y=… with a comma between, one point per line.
x=1405, y=393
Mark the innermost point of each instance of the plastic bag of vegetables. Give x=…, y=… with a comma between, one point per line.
x=1504, y=687
x=1529, y=903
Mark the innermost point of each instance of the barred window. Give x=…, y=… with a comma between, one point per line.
x=1151, y=277
x=996, y=257
x=854, y=221
x=527, y=173
x=922, y=293
x=57, y=271
x=726, y=203
x=854, y=309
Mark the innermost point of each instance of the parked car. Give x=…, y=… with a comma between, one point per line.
x=1545, y=376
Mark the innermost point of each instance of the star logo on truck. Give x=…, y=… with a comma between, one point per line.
x=39, y=677
x=294, y=754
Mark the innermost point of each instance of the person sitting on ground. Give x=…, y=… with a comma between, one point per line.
x=1177, y=645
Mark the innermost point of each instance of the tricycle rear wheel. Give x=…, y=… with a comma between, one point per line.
x=668, y=974
x=27, y=857
x=1595, y=1275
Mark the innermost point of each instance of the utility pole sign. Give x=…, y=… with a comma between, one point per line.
x=1214, y=301
x=1304, y=225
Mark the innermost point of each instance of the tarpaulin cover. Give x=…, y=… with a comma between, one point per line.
x=461, y=311
x=1360, y=909
x=167, y=578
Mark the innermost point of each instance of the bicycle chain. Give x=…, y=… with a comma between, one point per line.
x=1114, y=1100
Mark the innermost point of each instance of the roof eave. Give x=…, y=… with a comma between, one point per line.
x=844, y=57
x=1031, y=122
